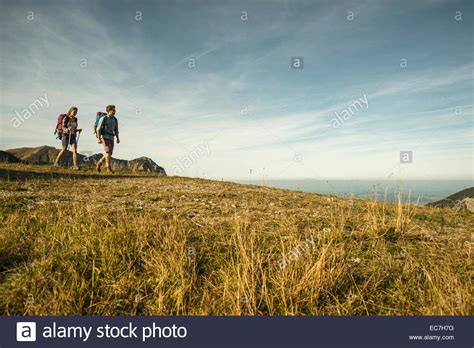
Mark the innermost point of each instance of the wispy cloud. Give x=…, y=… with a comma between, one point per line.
x=167, y=108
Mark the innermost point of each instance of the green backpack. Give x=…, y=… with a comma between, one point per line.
x=98, y=116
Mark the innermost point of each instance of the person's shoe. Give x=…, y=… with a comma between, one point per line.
x=109, y=171
x=56, y=164
x=75, y=167
x=97, y=166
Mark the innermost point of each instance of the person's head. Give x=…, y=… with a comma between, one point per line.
x=72, y=111
x=110, y=110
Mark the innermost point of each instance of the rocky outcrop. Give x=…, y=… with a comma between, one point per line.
x=467, y=204
x=462, y=200
x=145, y=164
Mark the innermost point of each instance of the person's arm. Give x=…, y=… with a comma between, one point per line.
x=64, y=125
x=116, y=131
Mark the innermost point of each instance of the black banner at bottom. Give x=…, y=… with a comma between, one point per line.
x=417, y=332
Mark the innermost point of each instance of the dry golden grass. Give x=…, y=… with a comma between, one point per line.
x=179, y=246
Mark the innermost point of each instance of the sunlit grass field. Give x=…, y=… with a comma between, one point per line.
x=152, y=245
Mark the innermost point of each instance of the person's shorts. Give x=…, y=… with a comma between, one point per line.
x=65, y=139
x=108, y=145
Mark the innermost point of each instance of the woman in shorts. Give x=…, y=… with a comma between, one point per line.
x=69, y=136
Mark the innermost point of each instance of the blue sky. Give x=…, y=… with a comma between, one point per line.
x=193, y=74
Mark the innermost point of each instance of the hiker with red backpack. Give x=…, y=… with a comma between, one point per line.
x=106, y=129
x=67, y=131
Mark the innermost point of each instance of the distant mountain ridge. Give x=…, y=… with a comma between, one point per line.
x=463, y=199
x=47, y=154
x=6, y=157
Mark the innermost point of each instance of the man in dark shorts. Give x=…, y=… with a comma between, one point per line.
x=107, y=129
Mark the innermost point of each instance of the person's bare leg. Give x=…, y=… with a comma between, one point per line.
x=107, y=162
x=99, y=163
x=74, y=154
x=58, y=157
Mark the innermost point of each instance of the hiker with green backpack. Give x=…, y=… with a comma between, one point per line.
x=66, y=130
x=106, y=129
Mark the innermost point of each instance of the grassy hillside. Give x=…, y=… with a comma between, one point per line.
x=156, y=245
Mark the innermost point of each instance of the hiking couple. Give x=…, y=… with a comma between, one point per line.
x=105, y=130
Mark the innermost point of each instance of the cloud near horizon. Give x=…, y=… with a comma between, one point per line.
x=190, y=74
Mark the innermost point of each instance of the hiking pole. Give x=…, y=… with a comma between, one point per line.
x=77, y=141
x=69, y=142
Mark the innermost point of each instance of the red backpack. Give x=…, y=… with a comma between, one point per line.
x=58, y=131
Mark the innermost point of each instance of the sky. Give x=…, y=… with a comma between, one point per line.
x=213, y=88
